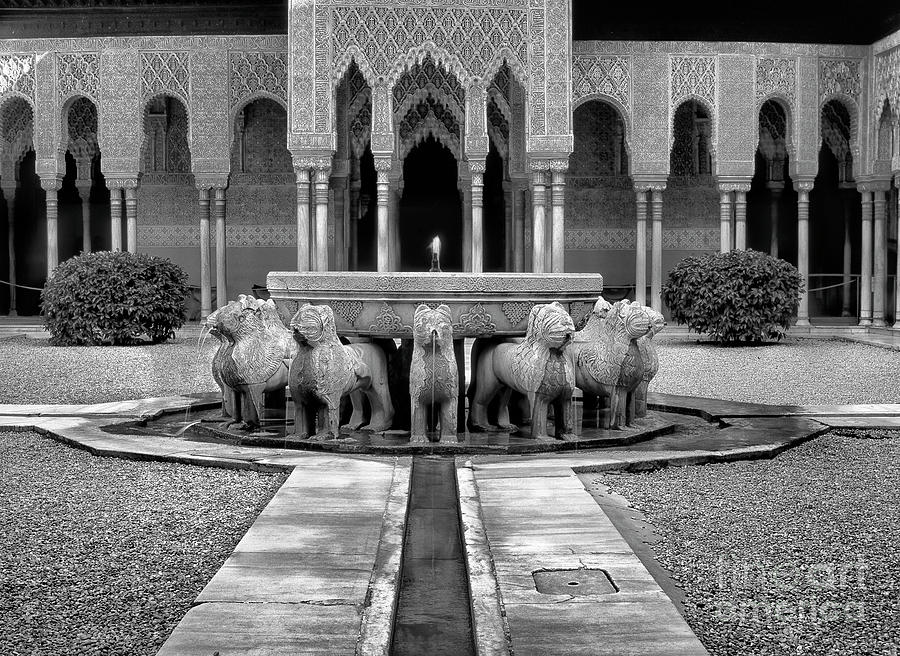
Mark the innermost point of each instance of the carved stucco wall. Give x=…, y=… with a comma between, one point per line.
x=471, y=38
x=648, y=80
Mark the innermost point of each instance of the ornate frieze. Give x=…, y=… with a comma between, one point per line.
x=165, y=72
x=17, y=75
x=776, y=76
x=609, y=75
x=682, y=239
x=887, y=79
x=78, y=73
x=253, y=73
x=238, y=235
x=839, y=77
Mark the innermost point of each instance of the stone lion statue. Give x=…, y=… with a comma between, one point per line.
x=255, y=359
x=606, y=366
x=433, y=375
x=592, y=328
x=218, y=363
x=537, y=368
x=649, y=360
x=324, y=371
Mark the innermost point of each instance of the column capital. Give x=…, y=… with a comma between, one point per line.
x=478, y=166
x=804, y=184
x=384, y=164
x=649, y=183
x=322, y=175
x=51, y=183
x=536, y=164
x=211, y=180
x=725, y=187
x=559, y=165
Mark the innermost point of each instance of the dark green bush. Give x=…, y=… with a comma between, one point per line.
x=114, y=298
x=740, y=296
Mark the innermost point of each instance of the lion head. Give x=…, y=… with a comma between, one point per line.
x=628, y=318
x=237, y=319
x=433, y=325
x=551, y=325
x=313, y=325
x=657, y=321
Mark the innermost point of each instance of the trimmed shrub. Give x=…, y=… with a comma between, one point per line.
x=113, y=298
x=740, y=296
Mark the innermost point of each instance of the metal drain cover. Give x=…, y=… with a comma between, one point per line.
x=579, y=582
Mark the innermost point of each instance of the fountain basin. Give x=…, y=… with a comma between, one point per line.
x=369, y=304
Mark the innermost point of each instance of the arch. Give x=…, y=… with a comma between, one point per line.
x=422, y=93
x=353, y=56
x=852, y=108
x=173, y=132
x=430, y=127
x=885, y=129
x=84, y=145
x=603, y=103
x=506, y=56
x=418, y=54
x=624, y=114
x=241, y=104
x=842, y=137
x=266, y=153
x=713, y=122
x=788, y=108
x=18, y=139
x=710, y=141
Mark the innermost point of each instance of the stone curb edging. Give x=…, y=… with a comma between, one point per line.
x=377, y=622
x=489, y=628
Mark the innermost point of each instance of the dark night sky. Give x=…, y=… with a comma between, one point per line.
x=733, y=21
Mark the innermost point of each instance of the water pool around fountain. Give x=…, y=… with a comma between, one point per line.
x=204, y=423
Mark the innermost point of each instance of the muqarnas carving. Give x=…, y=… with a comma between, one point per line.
x=324, y=371
x=253, y=358
x=606, y=360
x=537, y=368
x=649, y=361
x=433, y=374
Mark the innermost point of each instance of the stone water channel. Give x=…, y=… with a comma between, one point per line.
x=433, y=610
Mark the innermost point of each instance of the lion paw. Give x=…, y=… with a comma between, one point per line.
x=418, y=439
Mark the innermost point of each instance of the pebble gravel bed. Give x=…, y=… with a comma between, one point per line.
x=105, y=556
x=33, y=371
x=794, y=371
x=796, y=555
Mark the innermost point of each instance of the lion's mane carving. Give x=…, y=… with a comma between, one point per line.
x=433, y=375
x=253, y=358
x=609, y=365
x=537, y=368
x=324, y=371
x=649, y=360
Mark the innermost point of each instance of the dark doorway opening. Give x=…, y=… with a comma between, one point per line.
x=495, y=228
x=430, y=207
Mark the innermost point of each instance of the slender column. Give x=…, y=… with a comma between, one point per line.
x=355, y=213
x=218, y=213
x=302, y=175
x=131, y=215
x=724, y=218
x=847, y=278
x=558, y=170
x=775, y=189
x=740, y=217
x=205, y=286
x=115, y=218
x=51, y=187
x=84, y=193
x=382, y=168
x=465, y=190
x=9, y=193
x=538, y=242
x=656, y=248
x=640, y=248
x=803, y=188
x=865, y=268
x=519, y=204
x=477, y=168
x=394, y=194
x=879, y=250
x=321, y=179
x=340, y=223
x=897, y=276
x=508, y=255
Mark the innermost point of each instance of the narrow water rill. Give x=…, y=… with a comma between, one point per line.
x=433, y=610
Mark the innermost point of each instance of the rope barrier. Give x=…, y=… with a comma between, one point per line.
x=36, y=289
x=838, y=284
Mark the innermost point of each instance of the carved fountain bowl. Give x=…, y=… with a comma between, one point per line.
x=481, y=304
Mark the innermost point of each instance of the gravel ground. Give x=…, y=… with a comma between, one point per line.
x=33, y=371
x=797, y=555
x=794, y=371
x=105, y=556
